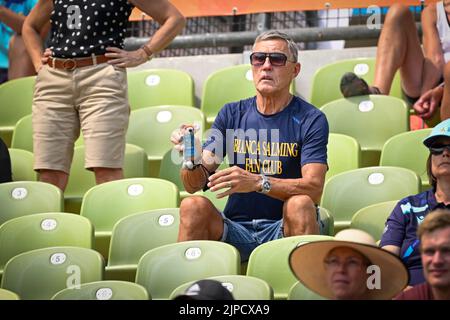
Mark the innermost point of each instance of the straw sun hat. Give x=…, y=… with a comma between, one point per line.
x=307, y=263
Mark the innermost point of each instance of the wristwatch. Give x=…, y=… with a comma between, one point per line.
x=265, y=184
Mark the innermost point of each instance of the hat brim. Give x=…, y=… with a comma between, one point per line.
x=307, y=264
x=429, y=141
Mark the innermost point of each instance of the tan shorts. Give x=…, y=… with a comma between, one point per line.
x=94, y=98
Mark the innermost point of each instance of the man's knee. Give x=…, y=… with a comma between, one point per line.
x=299, y=203
x=299, y=216
x=193, y=209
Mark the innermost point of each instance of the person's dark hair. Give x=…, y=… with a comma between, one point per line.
x=206, y=290
x=437, y=219
x=431, y=177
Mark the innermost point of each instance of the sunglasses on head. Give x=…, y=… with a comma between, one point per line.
x=439, y=149
x=277, y=59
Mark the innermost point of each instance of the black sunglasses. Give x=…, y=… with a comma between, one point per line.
x=439, y=149
x=276, y=59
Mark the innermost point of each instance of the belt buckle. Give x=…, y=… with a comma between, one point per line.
x=69, y=64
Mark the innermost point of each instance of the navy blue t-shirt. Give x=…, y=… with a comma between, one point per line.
x=401, y=230
x=277, y=145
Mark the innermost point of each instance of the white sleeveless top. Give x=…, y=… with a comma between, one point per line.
x=443, y=30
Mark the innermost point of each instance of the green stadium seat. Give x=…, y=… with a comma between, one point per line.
x=81, y=180
x=373, y=218
x=154, y=87
x=136, y=234
x=107, y=203
x=43, y=230
x=300, y=292
x=22, y=137
x=16, y=98
x=344, y=153
x=328, y=221
x=347, y=192
x=371, y=120
x=8, y=295
x=104, y=290
x=151, y=128
x=22, y=165
x=326, y=81
x=269, y=262
x=163, y=269
x=406, y=150
x=28, y=197
x=242, y=287
x=41, y=273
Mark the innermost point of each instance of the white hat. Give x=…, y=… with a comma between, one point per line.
x=307, y=263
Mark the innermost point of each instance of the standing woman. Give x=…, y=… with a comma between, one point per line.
x=82, y=81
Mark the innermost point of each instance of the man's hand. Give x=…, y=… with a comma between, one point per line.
x=125, y=59
x=177, y=139
x=236, y=179
x=428, y=102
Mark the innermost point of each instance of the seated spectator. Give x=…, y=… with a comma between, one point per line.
x=277, y=146
x=5, y=163
x=206, y=290
x=399, y=48
x=350, y=267
x=399, y=235
x=434, y=236
x=14, y=59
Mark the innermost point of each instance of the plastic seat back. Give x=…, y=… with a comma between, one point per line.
x=371, y=120
x=344, y=153
x=347, y=192
x=22, y=137
x=8, y=295
x=269, y=262
x=41, y=273
x=136, y=234
x=43, y=230
x=300, y=292
x=28, y=197
x=16, y=98
x=150, y=128
x=163, y=269
x=22, y=165
x=326, y=81
x=372, y=219
x=406, y=150
x=106, y=203
x=104, y=290
x=156, y=87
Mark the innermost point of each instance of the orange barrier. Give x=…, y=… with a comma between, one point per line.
x=203, y=8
